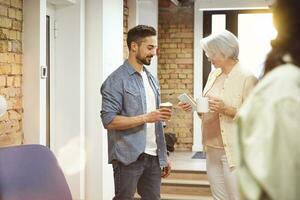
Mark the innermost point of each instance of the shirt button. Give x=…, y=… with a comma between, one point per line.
x=222, y=131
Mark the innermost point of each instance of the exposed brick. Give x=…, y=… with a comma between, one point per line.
x=16, y=69
x=184, y=60
x=176, y=67
x=5, y=2
x=125, y=28
x=15, y=46
x=187, y=81
x=17, y=81
x=5, y=22
x=174, y=76
x=185, y=40
x=19, y=35
x=3, y=46
x=16, y=58
x=3, y=117
x=12, y=13
x=12, y=35
x=2, y=80
x=182, y=76
x=5, y=69
x=4, y=57
x=14, y=115
x=19, y=15
x=17, y=3
x=10, y=81
x=3, y=10
x=17, y=25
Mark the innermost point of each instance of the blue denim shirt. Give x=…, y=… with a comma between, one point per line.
x=123, y=94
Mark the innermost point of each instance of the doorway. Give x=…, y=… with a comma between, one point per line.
x=254, y=29
x=50, y=49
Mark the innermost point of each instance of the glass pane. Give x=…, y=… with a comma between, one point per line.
x=218, y=24
x=255, y=32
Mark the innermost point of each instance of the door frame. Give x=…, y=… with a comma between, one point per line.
x=231, y=25
x=51, y=70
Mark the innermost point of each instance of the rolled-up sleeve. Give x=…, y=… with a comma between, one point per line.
x=111, y=91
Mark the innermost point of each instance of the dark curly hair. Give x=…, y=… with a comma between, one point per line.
x=286, y=17
x=138, y=33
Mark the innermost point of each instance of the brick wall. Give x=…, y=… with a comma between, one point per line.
x=125, y=28
x=175, y=65
x=11, y=19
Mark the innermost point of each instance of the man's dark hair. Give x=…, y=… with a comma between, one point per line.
x=138, y=33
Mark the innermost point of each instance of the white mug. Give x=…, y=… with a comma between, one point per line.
x=202, y=105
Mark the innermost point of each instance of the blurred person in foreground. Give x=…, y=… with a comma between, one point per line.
x=269, y=121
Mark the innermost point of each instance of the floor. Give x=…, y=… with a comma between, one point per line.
x=183, y=161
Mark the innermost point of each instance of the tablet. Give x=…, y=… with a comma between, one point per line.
x=187, y=99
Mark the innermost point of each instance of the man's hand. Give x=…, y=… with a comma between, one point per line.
x=185, y=106
x=166, y=170
x=162, y=114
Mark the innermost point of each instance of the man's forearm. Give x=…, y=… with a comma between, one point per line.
x=123, y=123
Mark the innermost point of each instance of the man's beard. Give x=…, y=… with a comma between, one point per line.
x=144, y=61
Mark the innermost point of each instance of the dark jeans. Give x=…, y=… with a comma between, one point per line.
x=143, y=175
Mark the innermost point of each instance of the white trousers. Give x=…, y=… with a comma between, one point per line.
x=221, y=177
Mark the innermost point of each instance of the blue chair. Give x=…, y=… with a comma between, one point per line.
x=31, y=172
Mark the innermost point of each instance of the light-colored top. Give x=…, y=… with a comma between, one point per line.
x=269, y=137
x=237, y=86
x=211, y=132
x=151, y=145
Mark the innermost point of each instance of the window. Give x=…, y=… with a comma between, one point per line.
x=254, y=29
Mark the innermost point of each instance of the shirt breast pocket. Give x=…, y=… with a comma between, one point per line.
x=132, y=100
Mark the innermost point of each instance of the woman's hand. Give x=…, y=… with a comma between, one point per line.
x=216, y=105
x=184, y=106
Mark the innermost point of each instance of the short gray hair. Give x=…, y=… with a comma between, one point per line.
x=223, y=42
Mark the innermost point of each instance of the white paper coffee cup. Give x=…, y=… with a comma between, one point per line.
x=166, y=105
x=202, y=105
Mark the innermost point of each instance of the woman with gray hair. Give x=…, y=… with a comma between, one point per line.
x=227, y=88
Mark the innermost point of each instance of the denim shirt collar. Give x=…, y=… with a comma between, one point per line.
x=130, y=69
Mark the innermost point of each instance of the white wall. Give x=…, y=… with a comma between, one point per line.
x=198, y=73
x=88, y=47
x=59, y=3
x=68, y=95
x=34, y=56
x=147, y=14
x=94, y=132
x=67, y=137
x=104, y=53
x=232, y=4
